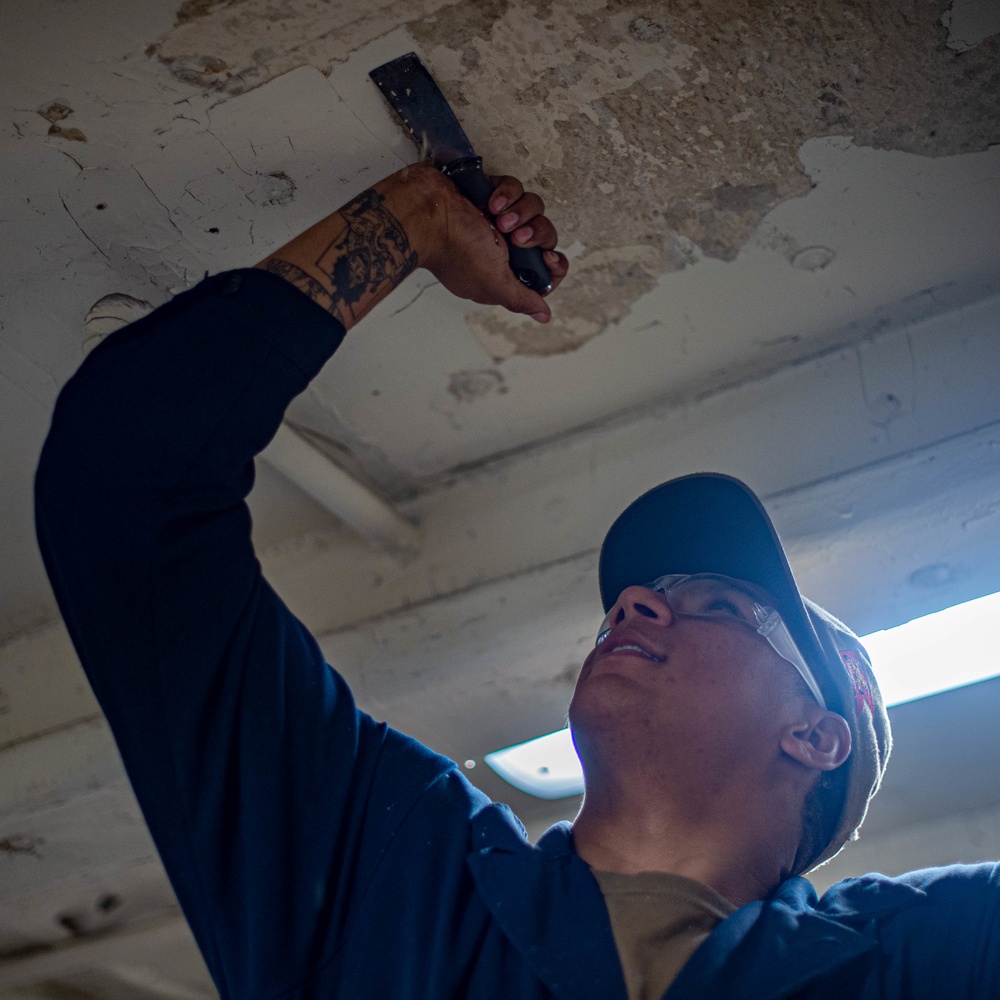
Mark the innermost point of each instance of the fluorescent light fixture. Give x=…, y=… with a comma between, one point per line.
x=938, y=652
x=546, y=767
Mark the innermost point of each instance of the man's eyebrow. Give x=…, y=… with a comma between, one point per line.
x=752, y=590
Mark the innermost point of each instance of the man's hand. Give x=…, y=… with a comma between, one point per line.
x=470, y=257
x=416, y=218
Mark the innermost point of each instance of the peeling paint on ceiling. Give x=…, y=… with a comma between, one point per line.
x=688, y=122
x=680, y=127
x=659, y=135
x=174, y=181
x=466, y=386
x=236, y=45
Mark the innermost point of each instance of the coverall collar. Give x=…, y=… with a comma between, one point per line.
x=549, y=905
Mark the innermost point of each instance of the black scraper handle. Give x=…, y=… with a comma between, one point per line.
x=526, y=263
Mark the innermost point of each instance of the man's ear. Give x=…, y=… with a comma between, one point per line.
x=821, y=740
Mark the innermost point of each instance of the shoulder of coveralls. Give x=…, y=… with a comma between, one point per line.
x=252, y=297
x=952, y=910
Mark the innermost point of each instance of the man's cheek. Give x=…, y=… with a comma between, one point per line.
x=581, y=680
x=585, y=668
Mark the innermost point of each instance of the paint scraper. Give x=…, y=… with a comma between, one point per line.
x=415, y=97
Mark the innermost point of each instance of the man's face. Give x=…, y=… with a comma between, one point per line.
x=689, y=687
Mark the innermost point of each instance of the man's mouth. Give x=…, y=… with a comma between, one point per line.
x=630, y=649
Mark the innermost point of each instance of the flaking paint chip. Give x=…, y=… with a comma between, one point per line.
x=813, y=258
x=56, y=112
x=73, y=134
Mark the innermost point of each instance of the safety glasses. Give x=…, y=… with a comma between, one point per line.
x=729, y=601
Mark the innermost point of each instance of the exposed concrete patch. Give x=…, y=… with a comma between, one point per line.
x=237, y=45
x=598, y=290
x=645, y=30
x=651, y=130
x=674, y=127
x=190, y=10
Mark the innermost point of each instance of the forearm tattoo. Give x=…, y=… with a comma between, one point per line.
x=299, y=278
x=371, y=249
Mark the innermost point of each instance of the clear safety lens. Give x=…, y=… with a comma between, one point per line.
x=709, y=595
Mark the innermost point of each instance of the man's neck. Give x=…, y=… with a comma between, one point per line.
x=725, y=850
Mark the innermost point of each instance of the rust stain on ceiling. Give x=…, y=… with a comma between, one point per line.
x=657, y=134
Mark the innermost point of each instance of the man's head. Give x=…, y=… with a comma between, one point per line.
x=749, y=655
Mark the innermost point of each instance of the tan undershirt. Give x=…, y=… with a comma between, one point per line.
x=658, y=921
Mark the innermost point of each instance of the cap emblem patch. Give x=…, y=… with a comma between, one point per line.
x=855, y=667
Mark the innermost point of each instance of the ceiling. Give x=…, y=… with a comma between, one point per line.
x=785, y=266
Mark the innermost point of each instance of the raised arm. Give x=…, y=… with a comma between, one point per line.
x=257, y=775
x=352, y=259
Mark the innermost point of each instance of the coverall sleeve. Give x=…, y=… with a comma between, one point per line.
x=265, y=789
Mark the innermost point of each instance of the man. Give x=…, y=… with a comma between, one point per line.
x=731, y=735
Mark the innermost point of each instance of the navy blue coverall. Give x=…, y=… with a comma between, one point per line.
x=315, y=851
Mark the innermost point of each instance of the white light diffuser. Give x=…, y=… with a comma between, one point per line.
x=546, y=767
x=945, y=650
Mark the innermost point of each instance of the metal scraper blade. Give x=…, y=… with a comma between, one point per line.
x=416, y=98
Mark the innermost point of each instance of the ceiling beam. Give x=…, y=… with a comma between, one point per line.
x=903, y=392
x=360, y=508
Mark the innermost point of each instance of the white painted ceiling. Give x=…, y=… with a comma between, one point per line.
x=785, y=234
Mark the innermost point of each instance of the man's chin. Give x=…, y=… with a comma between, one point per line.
x=602, y=700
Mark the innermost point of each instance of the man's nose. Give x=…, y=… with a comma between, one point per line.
x=641, y=602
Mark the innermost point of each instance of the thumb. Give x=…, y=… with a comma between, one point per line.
x=527, y=302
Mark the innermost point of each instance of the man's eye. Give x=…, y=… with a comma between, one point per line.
x=723, y=607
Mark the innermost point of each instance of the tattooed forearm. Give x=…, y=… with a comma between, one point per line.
x=372, y=248
x=304, y=282
x=367, y=254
